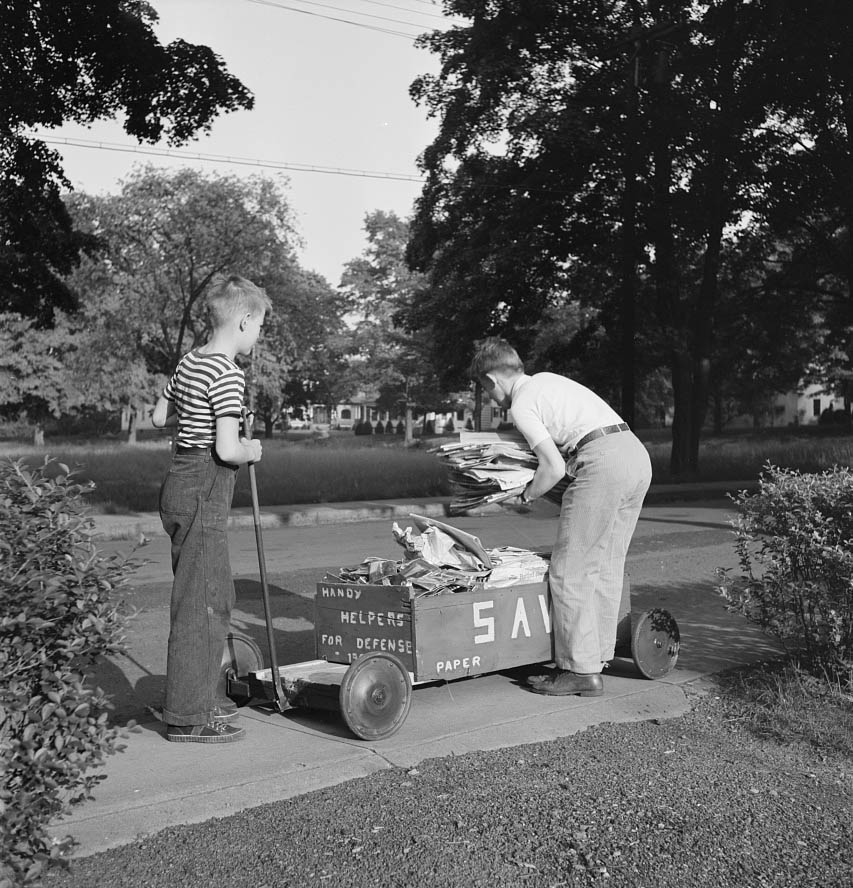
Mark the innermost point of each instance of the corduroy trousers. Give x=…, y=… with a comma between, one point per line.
x=599, y=513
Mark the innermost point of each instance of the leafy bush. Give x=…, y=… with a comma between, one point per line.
x=380, y=427
x=794, y=541
x=389, y=428
x=56, y=617
x=401, y=427
x=832, y=417
x=363, y=427
x=449, y=426
x=469, y=424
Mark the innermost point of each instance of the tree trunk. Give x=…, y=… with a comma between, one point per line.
x=131, y=425
x=38, y=436
x=628, y=283
x=410, y=433
x=681, y=463
x=671, y=311
x=718, y=413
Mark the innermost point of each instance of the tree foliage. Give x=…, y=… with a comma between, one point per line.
x=387, y=363
x=35, y=382
x=164, y=236
x=81, y=61
x=625, y=157
x=303, y=325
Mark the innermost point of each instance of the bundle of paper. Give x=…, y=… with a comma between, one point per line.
x=512, y=566
x=426, y=579
x=490, y=467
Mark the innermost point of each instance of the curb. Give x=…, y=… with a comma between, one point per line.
x=132, y=527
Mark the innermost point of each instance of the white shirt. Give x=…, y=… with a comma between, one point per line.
x=548, y=405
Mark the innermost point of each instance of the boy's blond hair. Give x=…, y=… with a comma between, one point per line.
x=232, y=296
x=494, y=353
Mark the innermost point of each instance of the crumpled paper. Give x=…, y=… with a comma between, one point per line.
x=436, y=547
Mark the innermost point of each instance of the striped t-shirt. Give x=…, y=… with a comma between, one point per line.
x=204, y=388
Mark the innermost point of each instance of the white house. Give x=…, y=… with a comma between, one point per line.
x=804, y=408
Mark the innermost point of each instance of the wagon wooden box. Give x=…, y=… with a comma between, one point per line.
x=375, y=642
x=439, y=637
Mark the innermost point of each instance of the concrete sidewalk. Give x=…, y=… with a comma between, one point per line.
x=154, y=784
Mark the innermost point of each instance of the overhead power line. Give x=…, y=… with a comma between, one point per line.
x=382, y=18
x=389, y=31
x=225, y=158
x=437, y=15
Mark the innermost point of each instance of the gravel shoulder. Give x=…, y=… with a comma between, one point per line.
x=713, y=797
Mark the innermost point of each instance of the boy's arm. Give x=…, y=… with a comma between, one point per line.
x=551, y=468
x=164, y=413
x=230, y=447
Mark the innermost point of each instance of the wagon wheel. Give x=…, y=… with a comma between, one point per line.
x=240, y=657
x=655, y=641
x=375, y=696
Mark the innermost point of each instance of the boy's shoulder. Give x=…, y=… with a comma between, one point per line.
x=211, y=360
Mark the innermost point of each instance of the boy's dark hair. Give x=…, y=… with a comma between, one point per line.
x=494, y=353
x=230, y=296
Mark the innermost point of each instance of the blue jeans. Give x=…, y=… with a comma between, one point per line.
x=597, y=520
x=194, y=503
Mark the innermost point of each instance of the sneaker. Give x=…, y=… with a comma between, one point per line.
x=213, y=732
x=225, y=711
x=222, y=712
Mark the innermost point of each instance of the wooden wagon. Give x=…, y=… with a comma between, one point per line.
x=374, y=643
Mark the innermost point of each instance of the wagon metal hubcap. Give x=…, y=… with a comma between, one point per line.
x=375, y=696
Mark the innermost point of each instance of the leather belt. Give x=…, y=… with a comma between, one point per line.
x=184, y=451
x=600, y=433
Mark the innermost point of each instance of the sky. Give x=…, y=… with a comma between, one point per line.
x=328, y=94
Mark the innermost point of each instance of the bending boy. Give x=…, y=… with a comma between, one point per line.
x=204, y=398
x=562, y=420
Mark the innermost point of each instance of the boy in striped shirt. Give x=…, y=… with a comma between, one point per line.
x=204, y=399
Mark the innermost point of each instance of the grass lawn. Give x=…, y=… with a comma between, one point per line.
x=297, y=468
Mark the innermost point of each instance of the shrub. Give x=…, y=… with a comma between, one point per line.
x=794, y=541
x=389, y=428
x=830, y=417
x=379, y=429
x=401, y=427
x=56, y=618
x=449, y=426
x=469, y=424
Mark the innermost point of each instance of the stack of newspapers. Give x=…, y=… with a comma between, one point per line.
x=441, y=559
x=490, y=467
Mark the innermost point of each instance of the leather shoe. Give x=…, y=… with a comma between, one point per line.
x=562, y=683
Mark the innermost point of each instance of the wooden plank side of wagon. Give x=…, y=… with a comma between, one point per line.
x=354, y=619
x=472, y=633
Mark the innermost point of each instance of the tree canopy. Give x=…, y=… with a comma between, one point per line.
x=387, y=362
x=81, y=61
x=163, y=237
x=627, y=156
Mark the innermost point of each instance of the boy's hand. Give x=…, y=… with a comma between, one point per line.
x=253, y=445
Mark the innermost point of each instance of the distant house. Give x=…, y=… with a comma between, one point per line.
x=802, y=407
x=360, y=409
x=806, y=407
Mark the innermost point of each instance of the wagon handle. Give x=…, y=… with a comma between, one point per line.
x=279, y=700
